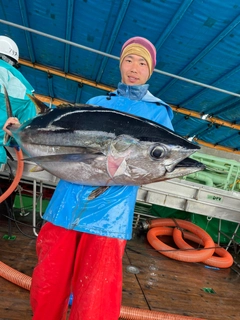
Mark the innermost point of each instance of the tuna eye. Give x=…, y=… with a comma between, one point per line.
x=157, y=152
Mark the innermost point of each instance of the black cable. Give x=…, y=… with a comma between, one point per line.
x=17, y=223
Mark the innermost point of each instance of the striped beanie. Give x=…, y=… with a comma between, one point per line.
x=141, y=47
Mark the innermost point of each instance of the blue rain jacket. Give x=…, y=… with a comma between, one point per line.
x=22, y=107
x=110, y=214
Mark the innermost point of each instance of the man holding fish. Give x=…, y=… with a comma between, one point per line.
x=80, y=247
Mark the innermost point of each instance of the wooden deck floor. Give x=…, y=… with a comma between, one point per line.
x=162, y=284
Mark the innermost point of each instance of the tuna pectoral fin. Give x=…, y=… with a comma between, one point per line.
x=97, y=192
x=74, y=157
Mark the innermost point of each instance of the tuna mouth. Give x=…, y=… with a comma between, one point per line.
x=180, y=158
x=190, y=163
x=185, y=167
x=185, y=163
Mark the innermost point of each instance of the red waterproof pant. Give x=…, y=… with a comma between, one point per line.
x=89, y=266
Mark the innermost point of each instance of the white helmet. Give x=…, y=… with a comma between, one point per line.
x=9, y=48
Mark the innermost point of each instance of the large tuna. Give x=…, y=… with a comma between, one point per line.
x=96, y=146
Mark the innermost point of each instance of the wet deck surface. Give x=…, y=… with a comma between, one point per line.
x=162, y=284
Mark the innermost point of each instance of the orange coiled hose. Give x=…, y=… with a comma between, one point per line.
x=157, y=228
x=19, y=172
x=127, y=313
x=223, y=260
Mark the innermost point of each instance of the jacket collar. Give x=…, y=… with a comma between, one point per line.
x=132, y=92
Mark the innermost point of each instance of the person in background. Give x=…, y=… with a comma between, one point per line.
x=17, y=87
x=81, y=245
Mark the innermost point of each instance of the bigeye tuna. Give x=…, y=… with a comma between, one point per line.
x=96, y=146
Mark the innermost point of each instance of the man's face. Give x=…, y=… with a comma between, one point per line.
x=134, y=70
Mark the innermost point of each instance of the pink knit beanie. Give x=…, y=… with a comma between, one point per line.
x=140, y=46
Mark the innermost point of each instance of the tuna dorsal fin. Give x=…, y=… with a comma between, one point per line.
x=40, y=106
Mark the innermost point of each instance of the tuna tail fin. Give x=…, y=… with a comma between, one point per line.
x=9, y=111
x=40, y=106
x=7, y=101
